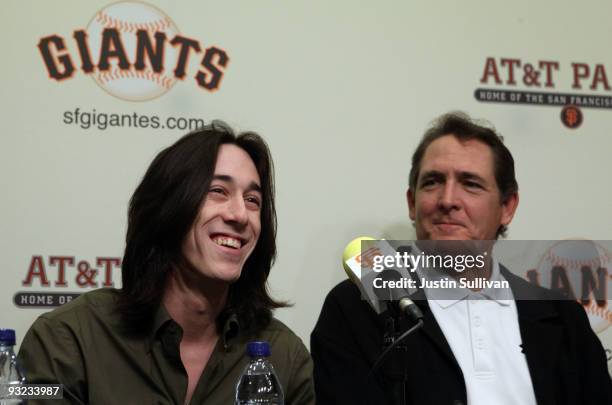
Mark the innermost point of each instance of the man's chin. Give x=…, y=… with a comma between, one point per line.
x=224, y=274
x=230, y=276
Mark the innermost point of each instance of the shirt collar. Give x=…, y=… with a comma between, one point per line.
x=502, y=296
x=163, y=321
x=231, y=329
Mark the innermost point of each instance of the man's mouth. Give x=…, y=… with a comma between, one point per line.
x=447, y=223
x=227, y=241
x=448, y=226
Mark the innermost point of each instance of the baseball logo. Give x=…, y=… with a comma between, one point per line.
x=571, y=116
x=583, y=270
x=129, y=19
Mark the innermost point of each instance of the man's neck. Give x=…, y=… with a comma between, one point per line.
x=195, y=304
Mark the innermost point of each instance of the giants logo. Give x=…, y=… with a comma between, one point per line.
x=582, y=269
x=133, y=51
x=571, y=116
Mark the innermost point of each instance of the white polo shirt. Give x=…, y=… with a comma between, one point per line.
x=483, y=333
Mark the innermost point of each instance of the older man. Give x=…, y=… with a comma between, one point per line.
x=478, y=346
x=200, y=244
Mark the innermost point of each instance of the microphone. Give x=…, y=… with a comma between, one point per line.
x=399, y=297
x=352, y=262
x=358, y=266
x=352, y=256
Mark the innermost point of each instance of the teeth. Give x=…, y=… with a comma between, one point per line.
x=230, y=242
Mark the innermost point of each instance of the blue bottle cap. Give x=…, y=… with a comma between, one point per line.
x=258, y=349
x=7, y=337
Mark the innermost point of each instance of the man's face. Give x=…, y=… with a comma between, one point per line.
x=227, y=227
x=456, y=195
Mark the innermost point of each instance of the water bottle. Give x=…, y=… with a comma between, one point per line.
x=258, y=384
x=10, y=371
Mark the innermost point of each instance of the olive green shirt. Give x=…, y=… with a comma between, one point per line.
x=83, y=346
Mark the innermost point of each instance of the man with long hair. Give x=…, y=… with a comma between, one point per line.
x=200, y=243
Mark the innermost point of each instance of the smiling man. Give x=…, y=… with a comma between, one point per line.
x=454, y=192
x=478, y=346
x=200, y=244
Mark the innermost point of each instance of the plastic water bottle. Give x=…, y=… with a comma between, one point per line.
x=10, y=371
x=258, y=384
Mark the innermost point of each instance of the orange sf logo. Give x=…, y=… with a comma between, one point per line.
x=366, y=259
x=571, y=116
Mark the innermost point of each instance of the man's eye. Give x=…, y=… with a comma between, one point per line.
x=216, y=190
x=253, y=201
x=472, y=184
x=428, y=182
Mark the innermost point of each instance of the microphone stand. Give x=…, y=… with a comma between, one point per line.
x=393, y=342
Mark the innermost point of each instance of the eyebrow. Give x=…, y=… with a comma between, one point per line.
x=472, y=176
x=462, y=175
x=253, y=186
x=428, y=175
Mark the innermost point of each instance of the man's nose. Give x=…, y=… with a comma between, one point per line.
x=235, y=210
x=449, y=198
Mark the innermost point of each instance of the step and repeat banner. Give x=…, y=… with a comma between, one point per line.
x=341, y=90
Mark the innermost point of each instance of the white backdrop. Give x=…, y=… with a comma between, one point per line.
x=342, y=92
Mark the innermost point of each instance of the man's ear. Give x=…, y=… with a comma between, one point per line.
x=509, y=206
x=411, y=204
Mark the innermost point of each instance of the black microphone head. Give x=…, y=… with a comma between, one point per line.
x=398, y=297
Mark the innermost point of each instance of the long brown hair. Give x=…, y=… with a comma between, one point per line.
x=164, y=206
